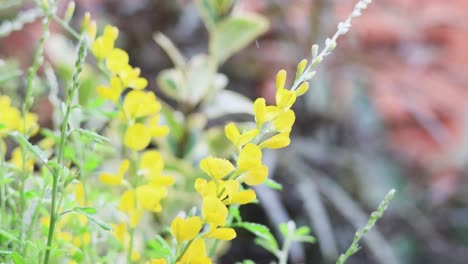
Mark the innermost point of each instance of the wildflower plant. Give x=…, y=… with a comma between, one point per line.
x=54, y=194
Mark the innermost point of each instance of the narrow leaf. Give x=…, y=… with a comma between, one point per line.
x=41, y=155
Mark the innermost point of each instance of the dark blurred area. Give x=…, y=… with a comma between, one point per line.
x=388, y=109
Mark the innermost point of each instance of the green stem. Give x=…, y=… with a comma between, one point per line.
x=283, y=254
x=63, y=137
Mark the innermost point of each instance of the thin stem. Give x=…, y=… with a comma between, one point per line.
x=65, y=25
x=283, y=255
x=374, y=217
x=63, y=138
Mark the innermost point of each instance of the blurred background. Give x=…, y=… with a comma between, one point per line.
x=387, y=110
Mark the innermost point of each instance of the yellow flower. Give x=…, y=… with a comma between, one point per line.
x=284, y=121
x=149, y=197
x=281, y=79
x=156, y=129
x=120, y=232
x=131, y=78
x=137, y=137
x=223, y=233
x=104, y=45
x=195, y=254
x=205, y=188
x=216, y=168
x=249, y=157
x=250, y=162
x=139, y=104
x=186, y=229
x=112, y=92
x=280, y=140
x=235, y=195
x=302, y=89
x=79, y=194
x=135, y=255
x=115, y=179
x=117, y=60
x=285, y=99
x=238, y=139
x=151, y=163
x=129, y=206
x=260, y=111
x=214, y=211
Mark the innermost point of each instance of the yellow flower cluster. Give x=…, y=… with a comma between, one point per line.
x=139, y=114
x=11, y=119
x=226, y=181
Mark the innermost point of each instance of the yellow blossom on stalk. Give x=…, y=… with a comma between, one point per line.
x=149, y=197
x=250, y=163
x=214, y=211
x=284, y=121
x=277, y=141
x=79, y=194
x=130, y=208
x=137, y=137
x=216, y=168
x=156, y=129
x=140, y=104
x=238, y=139
x=223, y=233
x=120, y=232
x=111, y=179
x=112, y=92
x=186, y=229
x=104, y=45
x=131, y=77
x=196, y=253
x=117, y=60
x=205, y=188
x=235, y=195
x=151, y=166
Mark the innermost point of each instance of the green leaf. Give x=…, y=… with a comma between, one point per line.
x=273, y=184
x=284, y=229
x=260, y=231
x=91, y=218
x=41, y=155
x=17, y=258
x=92, y=135
x=302, y=231
x=160, y=248
x=235, y=33
x=2, y=126
x=88, y=210
x=306, y=239
x=8, y=235
x=171, y=83
x=31, y=194
x=266, y=245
